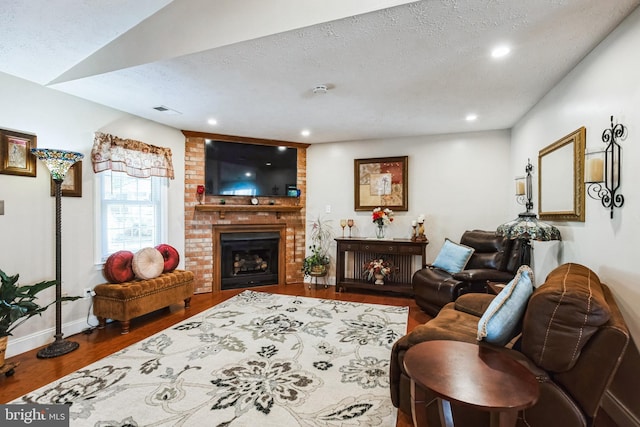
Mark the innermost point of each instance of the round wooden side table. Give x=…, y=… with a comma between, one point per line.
x=471, y=375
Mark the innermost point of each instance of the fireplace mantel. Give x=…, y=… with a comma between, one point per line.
x=222, y=209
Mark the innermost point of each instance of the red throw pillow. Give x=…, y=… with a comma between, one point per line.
x=117, y=268
x=170, y=255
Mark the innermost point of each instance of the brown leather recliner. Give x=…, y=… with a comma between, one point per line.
x=572, y=339
x=495, y=259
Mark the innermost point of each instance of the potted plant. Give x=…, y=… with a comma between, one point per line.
x=320, y=235
x=316, y=263
x=17, y=304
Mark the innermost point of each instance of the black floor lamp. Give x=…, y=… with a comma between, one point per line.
x=58, y=162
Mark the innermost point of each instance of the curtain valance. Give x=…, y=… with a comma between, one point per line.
x=135, y=158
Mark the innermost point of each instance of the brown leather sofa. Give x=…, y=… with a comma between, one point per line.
x=572, y=339
x=495, y=259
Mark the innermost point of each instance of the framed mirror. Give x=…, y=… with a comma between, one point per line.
x=560, y=172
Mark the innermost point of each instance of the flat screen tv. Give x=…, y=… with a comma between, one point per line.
x=234, y=168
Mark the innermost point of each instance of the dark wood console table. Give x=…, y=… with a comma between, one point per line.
x=400, y=252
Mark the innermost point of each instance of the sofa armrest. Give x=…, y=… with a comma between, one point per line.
x=483, y=275
x=433, y=288
x=474, y=304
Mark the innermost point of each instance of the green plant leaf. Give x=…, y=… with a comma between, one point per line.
x=17, y=303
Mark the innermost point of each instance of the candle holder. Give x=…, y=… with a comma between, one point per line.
x=602, y=172
x=524, y=187
x=421, y=237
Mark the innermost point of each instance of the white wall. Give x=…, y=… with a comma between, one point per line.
x=27, y=229
x=459, y=182
x=605, y=83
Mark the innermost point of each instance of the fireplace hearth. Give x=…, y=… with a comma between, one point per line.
x=249, y=259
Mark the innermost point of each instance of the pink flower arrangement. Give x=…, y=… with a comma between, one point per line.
x=382, y=216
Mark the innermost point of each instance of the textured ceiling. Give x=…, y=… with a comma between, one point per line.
x=393, y=68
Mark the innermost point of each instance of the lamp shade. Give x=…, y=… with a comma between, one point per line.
x=58, y=161
x=527, y=226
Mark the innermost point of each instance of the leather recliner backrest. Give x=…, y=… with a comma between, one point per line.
x=573, y=329
x=514, y=256
x=562, y=314
x=491, y=251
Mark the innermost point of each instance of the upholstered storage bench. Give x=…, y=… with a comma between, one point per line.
x=128, y=300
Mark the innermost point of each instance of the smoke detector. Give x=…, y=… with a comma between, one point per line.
x=320, y=89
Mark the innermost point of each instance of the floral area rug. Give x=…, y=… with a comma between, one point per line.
x=257, y=359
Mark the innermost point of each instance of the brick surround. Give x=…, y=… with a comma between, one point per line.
x=199, y=225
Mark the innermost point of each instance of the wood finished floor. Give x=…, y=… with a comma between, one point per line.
x=34, y=373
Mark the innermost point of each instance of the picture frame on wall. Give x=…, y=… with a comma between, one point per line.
x=560, y=178
x=72, y=184
x=381, y=182
x=15, y=153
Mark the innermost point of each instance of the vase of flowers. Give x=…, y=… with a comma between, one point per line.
x=381, y=218
x=377, y=270
x=200, y=193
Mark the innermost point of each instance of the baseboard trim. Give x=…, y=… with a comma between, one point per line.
x=618, y=412
x=44, y=337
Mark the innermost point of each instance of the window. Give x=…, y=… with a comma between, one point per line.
x=131, y=212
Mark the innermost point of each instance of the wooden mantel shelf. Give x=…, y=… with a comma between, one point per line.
x=222, y=209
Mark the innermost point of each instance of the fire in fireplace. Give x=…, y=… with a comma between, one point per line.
x=249, y=259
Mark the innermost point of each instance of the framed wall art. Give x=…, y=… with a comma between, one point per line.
x=560, y=178
x=15, y=153
x=381, y=182
x=72, y=184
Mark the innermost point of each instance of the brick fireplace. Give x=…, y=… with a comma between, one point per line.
x=205, y=223
x=248, y=256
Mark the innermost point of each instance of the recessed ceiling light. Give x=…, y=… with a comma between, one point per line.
x=471, y=117
x=305, y=132
x=212, y=122
x=500, y=51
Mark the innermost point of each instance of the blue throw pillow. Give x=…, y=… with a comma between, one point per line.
x=499, y=322
x=453, y=256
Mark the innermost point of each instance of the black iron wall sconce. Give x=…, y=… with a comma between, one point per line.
x=524, y=187
x=602, y=169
